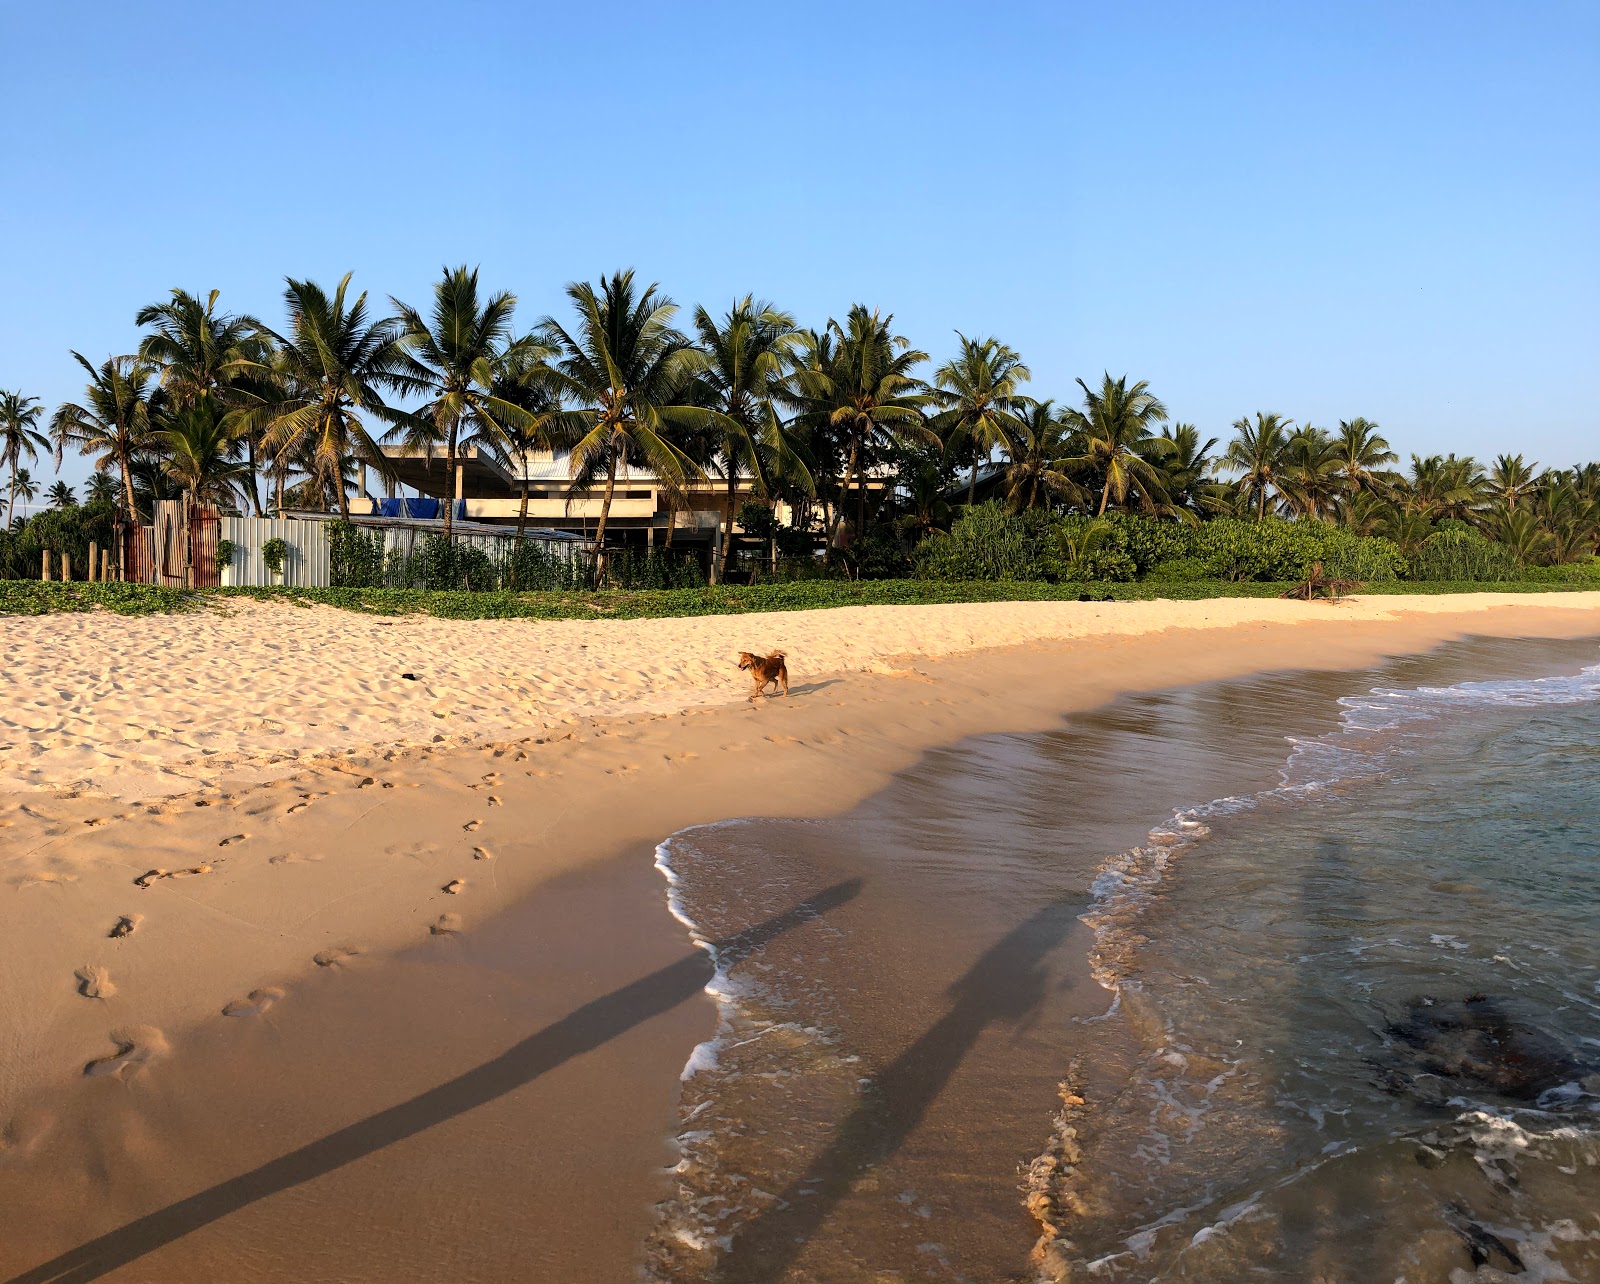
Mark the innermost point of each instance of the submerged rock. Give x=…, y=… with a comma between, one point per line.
x=1441, y=1048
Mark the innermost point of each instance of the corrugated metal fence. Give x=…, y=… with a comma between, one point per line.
x=306, y=563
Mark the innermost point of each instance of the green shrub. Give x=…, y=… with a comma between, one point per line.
x=987, y=543
x=273, y=554
x=355, y=557
x=1457, y=552
x=225, y=551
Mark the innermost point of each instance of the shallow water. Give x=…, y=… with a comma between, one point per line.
x=884, y=1097
x=1371, y=1006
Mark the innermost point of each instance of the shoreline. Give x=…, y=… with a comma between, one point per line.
x=609, y=790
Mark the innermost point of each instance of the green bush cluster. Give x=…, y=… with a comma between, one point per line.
x=1458, y=552
x=69, y=529
x=988, y=543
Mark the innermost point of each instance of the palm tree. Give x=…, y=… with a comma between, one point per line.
x=23, y=488
x=202, y=454
x=978, y=391
x=1257, y=451
x=1310, y=475
x=116, y=421
x=1117, y=441
x=60, y=495
x=330, y=368
x=524, y=381
x=1443, y=486
x=1033, y=477
x=19, y=436
x=454, y=357
x=1510, y=480
x=100, y=489
x=632, y=374
x=1366, y=513
x=206, y=356
x=747, y=353
x=1187, y=470
x=1361, y=454
x=853, y=387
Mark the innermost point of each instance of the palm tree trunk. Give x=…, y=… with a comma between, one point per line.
x=1105, y=495
x=605, y=513
x=1261, y=512
x=255, y=489
x=11, y=494
x=844, y=498
x=522, y=510
x=727, y=540
x=972, y=485
x=450, y=482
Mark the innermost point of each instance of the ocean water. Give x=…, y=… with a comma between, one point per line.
x=1341, y=1020
x=1369, y=1002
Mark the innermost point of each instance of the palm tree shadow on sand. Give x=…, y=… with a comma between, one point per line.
x=1007, y=984
x=580, y=1031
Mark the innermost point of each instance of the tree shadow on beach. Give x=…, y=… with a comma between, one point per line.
x=580, y=1031
x=1008, y=983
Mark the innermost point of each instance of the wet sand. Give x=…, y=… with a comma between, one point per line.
x=493, y=1100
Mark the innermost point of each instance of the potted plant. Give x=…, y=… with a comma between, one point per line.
x=225, y=551
x=273, y=554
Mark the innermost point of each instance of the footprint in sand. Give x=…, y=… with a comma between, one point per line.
x=255, y=1003
x=623, y=769
x=471, y=825
x=94, y=822
x=125, y=926
x=43, y=878
x=299, y=806
x=482, y=853
x=453, y=887
x=445, y=925
x=493, y=800
x=231, y=839
x=156, y=875
x=335, y=955
x=137, y=1045
x=94, y=982
x=685, y=755
x=290, y=858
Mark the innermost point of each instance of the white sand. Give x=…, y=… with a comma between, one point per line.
x=154, y=705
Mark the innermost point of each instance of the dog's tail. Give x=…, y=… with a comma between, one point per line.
x=778, y=655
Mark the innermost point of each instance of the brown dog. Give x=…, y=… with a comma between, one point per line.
x=766, y=670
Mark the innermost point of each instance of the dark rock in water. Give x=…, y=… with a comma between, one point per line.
x=1483, y=1245
x=1473, y=1045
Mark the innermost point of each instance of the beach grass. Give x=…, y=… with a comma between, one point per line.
x=33, y=597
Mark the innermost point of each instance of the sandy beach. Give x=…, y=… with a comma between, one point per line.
x=333, y=945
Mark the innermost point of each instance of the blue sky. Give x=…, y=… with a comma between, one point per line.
x=1390, y=210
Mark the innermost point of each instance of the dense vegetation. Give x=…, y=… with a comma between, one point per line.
x=30, y=597
x=891, y=467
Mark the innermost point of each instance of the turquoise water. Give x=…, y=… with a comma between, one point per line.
x=1368, y=1008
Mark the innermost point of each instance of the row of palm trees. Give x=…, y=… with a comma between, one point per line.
x=210, y=402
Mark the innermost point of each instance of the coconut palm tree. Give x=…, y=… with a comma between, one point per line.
x=1310, y=475
x=523, y=381
x=1187, y=470
x=202, y=454
x=1366, y=513
x=117, y=420
x=1257, y=451
x=855, y=393
x=100, y=489
x=1117, y=441
x=1510, y=480
x=23, y=488
x=60, y=495
x=1442, y=486
x=1033, y=477
x=454, y=356
x=632, y=376
x=747, y=354
x=19, y=436
x=208, y=356
x=979, y=393
x=1362, y=453
x=330, y=367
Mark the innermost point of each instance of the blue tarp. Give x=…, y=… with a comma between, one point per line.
x=424, y=509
